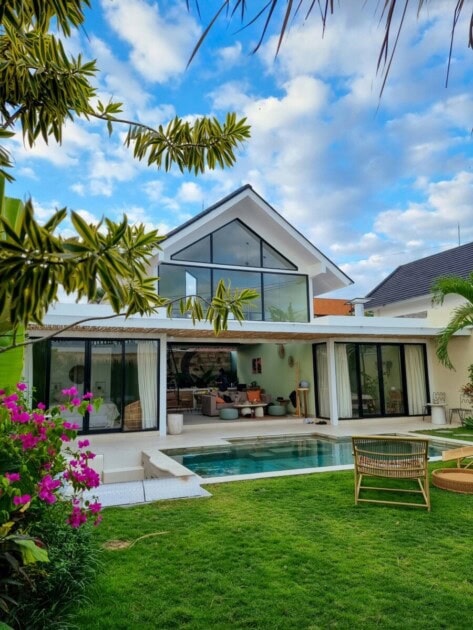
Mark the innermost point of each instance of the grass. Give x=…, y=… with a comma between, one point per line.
x=285, y=553
x=455, y=433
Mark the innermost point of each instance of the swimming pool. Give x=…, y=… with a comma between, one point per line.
x=271, y=455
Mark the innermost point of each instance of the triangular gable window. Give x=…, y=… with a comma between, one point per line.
x=234, y=244
x=197, y=252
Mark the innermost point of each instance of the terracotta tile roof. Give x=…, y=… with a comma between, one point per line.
x=331, y=306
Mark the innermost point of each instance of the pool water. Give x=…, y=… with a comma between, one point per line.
x=271, y=455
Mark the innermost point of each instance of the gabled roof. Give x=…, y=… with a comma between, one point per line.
x=255, y=212
x=415, y=279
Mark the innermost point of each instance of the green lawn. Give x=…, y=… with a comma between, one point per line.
x=286, y=553
x=454, y=433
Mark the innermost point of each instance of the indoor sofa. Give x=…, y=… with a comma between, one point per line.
x=213, y=402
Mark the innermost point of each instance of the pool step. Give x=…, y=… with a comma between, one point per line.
x=134, y=492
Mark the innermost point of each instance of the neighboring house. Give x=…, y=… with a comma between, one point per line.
x=356, y=366
x=332, y=306
x=406, y=293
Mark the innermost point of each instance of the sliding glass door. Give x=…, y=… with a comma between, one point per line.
x=373, y=379
x=122, y=372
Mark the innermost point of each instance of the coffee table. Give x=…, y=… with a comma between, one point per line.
x=255, y=409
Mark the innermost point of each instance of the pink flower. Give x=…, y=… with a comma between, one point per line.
x=95, y=508
x=98, y=520
x=88, y=396
x=77, y=517
x=41, y=406
x=76, y=402
x=72, y=391
x=83, y=443
x=2, y=392
x=90, y=408
x=12, y=477
x=71, y=425
x=21, y=500
x=21, y=386
x=65, y=438
x=28, y=441
x=46, y=487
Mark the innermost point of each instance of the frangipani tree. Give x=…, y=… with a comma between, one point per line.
x=42, y=87
x=462, y=316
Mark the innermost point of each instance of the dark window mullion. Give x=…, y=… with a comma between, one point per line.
x=379, y=358
x=404, y=379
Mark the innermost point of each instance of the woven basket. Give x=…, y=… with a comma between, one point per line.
x=454, y=479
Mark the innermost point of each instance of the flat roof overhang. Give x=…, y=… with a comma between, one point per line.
x=101, y=321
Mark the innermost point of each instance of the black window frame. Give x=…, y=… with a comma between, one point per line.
x=292, y=266
x=87, y=373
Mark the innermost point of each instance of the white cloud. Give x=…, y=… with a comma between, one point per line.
x=190, y=192
x=160, y=43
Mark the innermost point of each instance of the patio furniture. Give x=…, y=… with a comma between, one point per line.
x=463, y=411
x=251, y=409
x=395, y=404
x=277, y=410
x=454, y=480
x=229, y=413
x=393, y=458
x=460, y=455
x=437, y=409
x=211, y=406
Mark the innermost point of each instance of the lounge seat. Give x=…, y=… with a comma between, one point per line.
x=210, y=406
x=395, y=458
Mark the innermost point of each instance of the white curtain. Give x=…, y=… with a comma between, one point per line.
x=148, y=382
x=322, y=380
x=415, y=377
x=345, y=409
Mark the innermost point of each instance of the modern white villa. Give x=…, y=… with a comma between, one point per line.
x=350, y=367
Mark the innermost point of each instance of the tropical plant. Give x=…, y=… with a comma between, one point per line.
x=462, y=315
x=39, y=467
x=41, y=87
x=393, y=12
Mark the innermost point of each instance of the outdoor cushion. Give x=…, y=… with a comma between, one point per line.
x=254, y=396
x=220, y=400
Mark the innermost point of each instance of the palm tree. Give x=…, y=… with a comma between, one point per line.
x=462, y=315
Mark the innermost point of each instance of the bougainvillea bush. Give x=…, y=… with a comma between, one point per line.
x=38, y=469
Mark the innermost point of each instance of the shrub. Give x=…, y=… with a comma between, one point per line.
x=468, y=423
x=38, y=468
x=48, y=590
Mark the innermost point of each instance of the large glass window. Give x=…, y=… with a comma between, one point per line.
x=234, y=244
x=197, y=252
x=67, y=369
x=285, y=298
x=176, y=282
x=124, y=373
x=383, y=379
x=243, y=280
x=106, y=382
x=392, y=379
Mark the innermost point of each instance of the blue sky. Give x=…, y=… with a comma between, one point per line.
x=372, y=184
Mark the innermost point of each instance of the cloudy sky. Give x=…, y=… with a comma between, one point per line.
x=372, y=183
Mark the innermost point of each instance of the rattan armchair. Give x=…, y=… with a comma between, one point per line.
x=394, y=458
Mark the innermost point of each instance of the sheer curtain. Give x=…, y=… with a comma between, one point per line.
x=322, y=380
x=148, y=382
x=345, y=409
x=415, y=377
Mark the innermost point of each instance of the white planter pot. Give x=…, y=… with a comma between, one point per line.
x=175, y=422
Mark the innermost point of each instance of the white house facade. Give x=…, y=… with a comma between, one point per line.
x=143, y=367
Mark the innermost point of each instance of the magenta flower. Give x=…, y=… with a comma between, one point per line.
x=90, y=408
x=2, y=392
x=71, y=425
x=83, y=443
x=12, y=477
x=21, y=386
x=41, y=406
x=25, y=498
x=46, y=487
x=72, y=391
x=65, y=438
x=76, y=402
x=88, y=396
x=28, y=441
x=95, y=508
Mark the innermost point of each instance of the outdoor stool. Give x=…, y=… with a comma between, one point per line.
x=228, y=414
x=276, y=410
